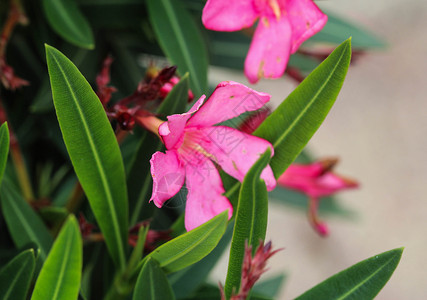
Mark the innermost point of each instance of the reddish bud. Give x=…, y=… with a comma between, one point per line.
x=252, y=269
x=252, y=122
x=126, y=121
x=102, y=80
x=8, y=78
x=153, y=238
x=166, y=74
x=85, y=227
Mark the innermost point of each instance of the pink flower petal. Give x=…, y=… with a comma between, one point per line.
x=312, y=170
x=204, y=199
x=172, y=131
x=306, y=20
x=229, y=100
x=314, y=180
x=270, y=49
x=236, y=152
x=330, y=183
x=224, y=15
x=168, y=176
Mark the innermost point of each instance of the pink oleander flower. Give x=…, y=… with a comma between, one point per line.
x=282, y=27
x=195, y=147
x=316, y=180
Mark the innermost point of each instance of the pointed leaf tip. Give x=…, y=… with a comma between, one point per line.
x=93, y=150
x=363, y=280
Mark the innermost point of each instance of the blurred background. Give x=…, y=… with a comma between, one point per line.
x=377, y=128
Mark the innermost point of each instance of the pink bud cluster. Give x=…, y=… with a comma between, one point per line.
x=252, y=269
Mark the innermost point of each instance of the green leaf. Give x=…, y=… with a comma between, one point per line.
x=136, y=255
x=269, y=287
x=66, y=19
x=24, y=225
x=93, y=150
x=54, y=214
x=61, y=273
x=152, y=283
x=139, y=177
x=364, y=280
x=85, y=60
x=338, y=29
x=294, y=122
x=186, y=281
x=15, y=277
x=251, y=221
x=180, y=40
x=4, y=148
x=211, y=292
x=190, y=247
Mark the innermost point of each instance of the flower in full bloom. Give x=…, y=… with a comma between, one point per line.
x=316, y=180
x=195, y=147
x=282, y=27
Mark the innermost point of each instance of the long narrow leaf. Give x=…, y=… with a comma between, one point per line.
x=4, y=148
x=190, y=247
x=15, y=277
x=152, y=283
x=251, y=221
x=188, y=280
x=60, y=276
x=181, y=40
x=24, y=225
x=364, y=280
x=93, y=150
x=294, y=122
x=66, y=19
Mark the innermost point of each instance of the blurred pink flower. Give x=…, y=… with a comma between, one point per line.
x=194, y=146
x=316, y=180
x=282, y=27
x=168, y=86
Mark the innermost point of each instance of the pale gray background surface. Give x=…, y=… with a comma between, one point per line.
x=378, y=128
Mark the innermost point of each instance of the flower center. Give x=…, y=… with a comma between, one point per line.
x=191, y=150
x=270, y=7
x=275, y=7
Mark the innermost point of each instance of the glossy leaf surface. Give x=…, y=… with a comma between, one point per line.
x=93, y=150
x=66, y=19
x=60, y=275
x=293, y=123
x=180, y=40
x=190, y=247
x=364, y=280
x=15, y=277
x=152, y=283
x=251, y=221
x=24, y=225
